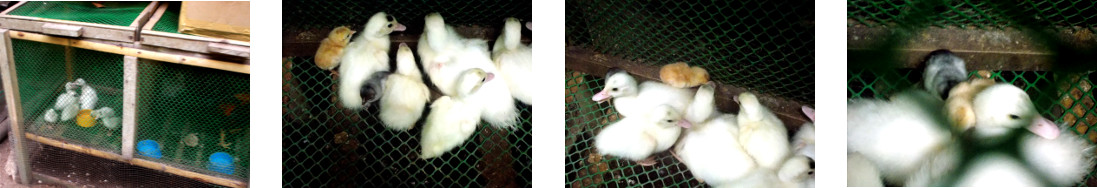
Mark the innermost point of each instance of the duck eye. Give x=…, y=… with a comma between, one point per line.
x=390, y=25
x=1014, y=117
x=614, y=89
x=483, y=79
x=668, y=121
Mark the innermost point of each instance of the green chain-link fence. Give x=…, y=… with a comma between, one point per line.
x=211, y=107
x=326, y=145
x=1060, y=14
x=1063, y=94
x=764, y=46
x=112, y=13
x=174, y=101
x=169, y=21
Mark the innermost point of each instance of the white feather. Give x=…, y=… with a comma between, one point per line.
x=515, y=61
x=637, y=137
x=896, y=135
x=367, y=54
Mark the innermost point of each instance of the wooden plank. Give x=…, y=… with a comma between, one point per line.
x=156, y=17
x=140, y=53
x=142, y=19
x=145, y=15
x=186, y=42
x=298, y=43
x=232, y=50
x=137, y=162
x=590, y=62
x=63, y=30
x=129, y=106
x=96, y=31
x=17, y=5
x=1005, y=49
x=15, y=107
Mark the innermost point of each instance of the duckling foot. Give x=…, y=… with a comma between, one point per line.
x=647, y=162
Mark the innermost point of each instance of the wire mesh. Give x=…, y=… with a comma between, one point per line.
x=326, y=145
x=584, y=167
x=306, y=15
x=169, y=21
x=112, y=13
x=764, y=46
x=43, y=69
x=179, y=102
x=1060, y=14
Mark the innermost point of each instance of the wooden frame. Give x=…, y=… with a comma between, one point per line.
x=590, y=62
x=126, y=41
x=188, y=42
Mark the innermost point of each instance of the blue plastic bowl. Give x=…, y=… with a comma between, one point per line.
x=149, y=148
x=221, y=162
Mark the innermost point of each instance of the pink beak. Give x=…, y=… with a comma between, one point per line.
x=684, y=124
x=400, y=27
x=489, y=77
x=1044, y=128
x=601, y=96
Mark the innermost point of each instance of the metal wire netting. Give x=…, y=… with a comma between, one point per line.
x=764, y=46
x=43, y=69
x=169, y=21
x=1062, y=14
x=1062, y=97
x=112, y=13
x=304, y=14
x=210, y=107
x=327, y=145
x=584, y=167
x=90, y=171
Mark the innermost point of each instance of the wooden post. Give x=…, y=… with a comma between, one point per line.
x=15, y=107
x=129, y=107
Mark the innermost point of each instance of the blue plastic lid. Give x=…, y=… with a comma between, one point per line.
x=221, y=162
x=149, y=148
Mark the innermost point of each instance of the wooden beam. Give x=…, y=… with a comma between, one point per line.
x=298, y=43
x=129, y=51
x=156, y=16
x=129, y=106
x=137, y=162
x=597, y=64
x=143, y=19
x=63, y=30
x=17, y=5
x=994, y=49
x=185, y=42
x=90, y=30
x=15, y=107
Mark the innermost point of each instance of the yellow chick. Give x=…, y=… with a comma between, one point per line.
x=84, y=119
x=958, y=106
x=331, y=48
x=681, y=75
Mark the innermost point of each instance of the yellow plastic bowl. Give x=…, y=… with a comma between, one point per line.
x=84, y=118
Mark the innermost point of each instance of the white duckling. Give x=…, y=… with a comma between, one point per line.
x=452, y=119
x=365, y=56
x=515, y=61
x=636, y=138
x=897, y=135
x=88, y=96
x=1001, y=108
x=630, y=99
x=998, y=170
x=106, y=116
x=1064, y=160
x=792, y=173
x=860, y=172
x=803, y=142
x=447, y=54
x=762, y=135
x=405, y=94
x=711, y=149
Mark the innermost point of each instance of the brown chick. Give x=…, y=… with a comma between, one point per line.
x=959, y=102
x=331, y=48
x=681, y=75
